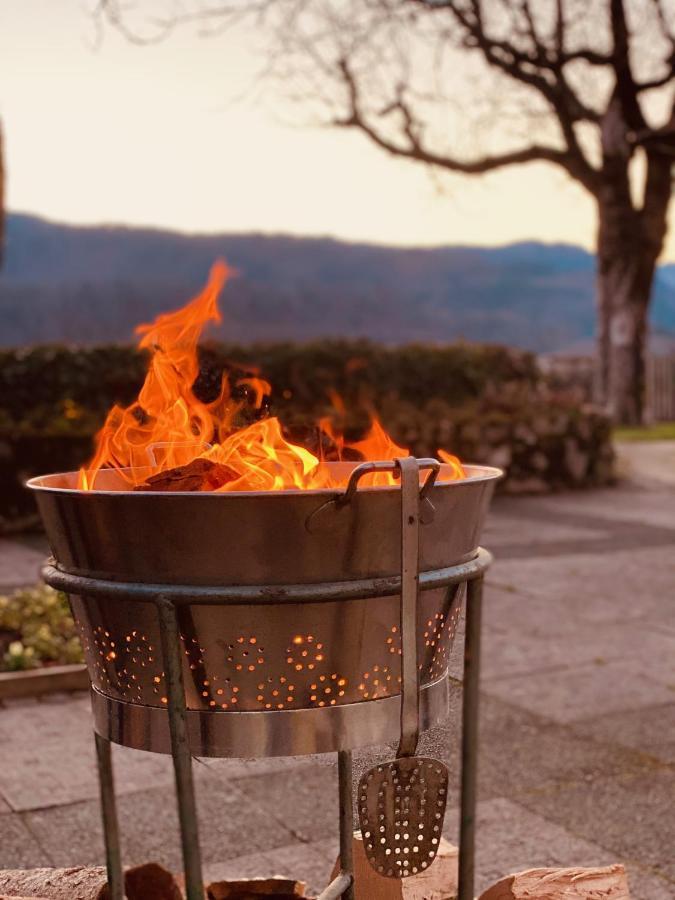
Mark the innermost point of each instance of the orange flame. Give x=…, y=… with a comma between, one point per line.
x=168, y=426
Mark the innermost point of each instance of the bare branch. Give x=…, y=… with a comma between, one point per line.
x=414, y=148
x=666, y=29
x=661, y=81
x=626, y=90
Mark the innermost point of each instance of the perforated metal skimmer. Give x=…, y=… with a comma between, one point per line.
x=401, y=809
x=262, y=624
x=402, y=805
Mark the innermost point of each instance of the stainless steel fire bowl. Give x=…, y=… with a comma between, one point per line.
x=287, y=604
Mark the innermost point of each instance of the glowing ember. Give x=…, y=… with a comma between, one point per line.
x=168, y=428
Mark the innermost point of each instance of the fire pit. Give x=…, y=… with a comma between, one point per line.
x=303, y=646
x=245, y=598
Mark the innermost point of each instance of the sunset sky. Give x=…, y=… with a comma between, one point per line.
x=157, y=136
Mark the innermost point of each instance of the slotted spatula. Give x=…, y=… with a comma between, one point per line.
x=402, y=803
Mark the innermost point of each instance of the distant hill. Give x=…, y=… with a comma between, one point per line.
x=93, y=284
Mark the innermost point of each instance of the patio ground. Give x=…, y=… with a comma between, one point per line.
x=578, y=723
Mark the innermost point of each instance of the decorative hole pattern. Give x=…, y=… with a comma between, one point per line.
x=401, y=810
x=265, y=658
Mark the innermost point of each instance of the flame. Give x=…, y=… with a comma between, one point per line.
x=453, y=461
x=169, y=427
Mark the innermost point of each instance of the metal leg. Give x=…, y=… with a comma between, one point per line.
x=111, y=832
x=342, y=886
x=474, y=600
x=180, y=750
x=346, y=820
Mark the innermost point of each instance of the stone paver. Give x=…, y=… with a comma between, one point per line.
x=631, y=815
x=577, y=693
x=58, y=767
x=523, y=752
x=19, y=565
x=18, y=847
x=230, y=825
x=513, y=838
x=648, y=462
x=511, y=651
x=577, y=724
x=650, y=730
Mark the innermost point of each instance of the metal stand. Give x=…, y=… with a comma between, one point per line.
x=168, y=599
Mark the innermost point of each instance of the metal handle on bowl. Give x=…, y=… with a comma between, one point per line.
x=389, y=466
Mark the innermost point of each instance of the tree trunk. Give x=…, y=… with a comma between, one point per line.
x=625, y=277
x=630, y=240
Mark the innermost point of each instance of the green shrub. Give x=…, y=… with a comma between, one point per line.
x=36, y=627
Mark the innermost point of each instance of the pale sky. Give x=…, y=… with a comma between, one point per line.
x=151, y=136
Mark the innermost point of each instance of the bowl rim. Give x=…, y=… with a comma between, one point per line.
x=478, y=473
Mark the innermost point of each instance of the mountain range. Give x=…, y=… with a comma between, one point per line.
x=93, y=284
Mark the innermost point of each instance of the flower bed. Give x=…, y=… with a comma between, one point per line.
x=37, y=629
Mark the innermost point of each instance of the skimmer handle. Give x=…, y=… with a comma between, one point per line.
x=411, y=495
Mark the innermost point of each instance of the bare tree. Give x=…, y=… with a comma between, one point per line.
x=583, y=80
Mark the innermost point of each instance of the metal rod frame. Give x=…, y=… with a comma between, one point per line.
x=469, y=757
x=247, y=595
x=111, y=831
x=169, y=598
x=180, y=750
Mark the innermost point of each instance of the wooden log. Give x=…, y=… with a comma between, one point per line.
x=146, y=882
x=438, y=882
x=257, y=888
x=198, y=475
x=606, y=883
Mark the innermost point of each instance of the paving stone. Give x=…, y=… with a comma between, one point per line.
x=231, y=769
x=511, y=838
x=648, y=462
x=520, y=751
x=503, y=529
x=650, y=730
x=253, y=865
x=18, y=847
x=626, y=503
x=230, y=826
x=19, y=565
x=508, y=651
x=47, y=756
x=598, y=588
x=631, y=815
x=646, y=885
x=566, y=695
x=306, y=800
x=508, y=608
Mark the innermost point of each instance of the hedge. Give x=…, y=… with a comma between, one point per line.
x=485, y=403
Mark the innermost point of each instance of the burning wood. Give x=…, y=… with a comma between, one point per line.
x=146, y=882
x=198, y=475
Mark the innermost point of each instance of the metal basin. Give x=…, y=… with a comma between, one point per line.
x=266, y=677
